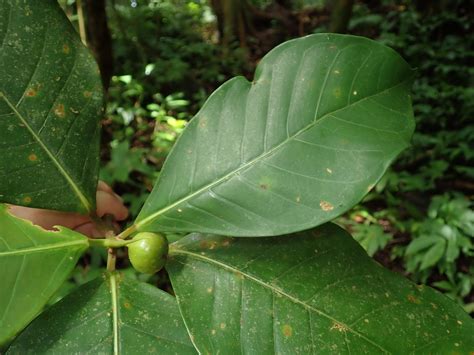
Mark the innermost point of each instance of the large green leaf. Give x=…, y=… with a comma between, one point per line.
x=114, y=315
x=33, y=265
x=298, y=146
x=51, y=99
x=316, y=292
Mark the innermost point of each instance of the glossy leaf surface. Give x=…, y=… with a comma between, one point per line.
x=315, y=292
x=298, y=146
x=51, y=101
x=110, y=315
x=33, y=265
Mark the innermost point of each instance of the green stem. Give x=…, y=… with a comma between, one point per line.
x=128, y=232
x=110, y=242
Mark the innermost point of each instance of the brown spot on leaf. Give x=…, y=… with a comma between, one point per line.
x=413, y=299
x=32, y=157
x=59, y=111
x=87, y=94
x=127, y=305
x=287, y=330
x=264, y=186
x=326, y=206
x=31, y=92
x=226, y=242
x=66, y=48
x=27, y=199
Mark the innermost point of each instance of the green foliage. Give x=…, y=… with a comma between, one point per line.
x=440, y=160
x=178, y=57
x=445, y=236
x=142, y=130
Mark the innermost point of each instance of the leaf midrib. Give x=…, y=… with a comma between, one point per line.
x=293, y=299
x=43, y=248
x=154, y=215
x=82, y=198
x=115, y=313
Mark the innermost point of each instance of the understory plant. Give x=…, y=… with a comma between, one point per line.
x=254, y=178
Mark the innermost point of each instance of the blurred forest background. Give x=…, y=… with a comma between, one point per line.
x=160, y=60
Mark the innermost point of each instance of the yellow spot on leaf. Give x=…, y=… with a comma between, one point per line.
x=27, y=199
x=209, y=290
x=459, y=322
x=337, y=92
x=127, y=305
x=32, y=157
x=213, y=331
x=66, y=49
x=222, y=325
x=326, y=206
x=59, y=111
x=87, y=94
x=336, y=71
x=339, y=327
x=287, y=330
x=354, y=93
x=298, y=198
x=329, y=170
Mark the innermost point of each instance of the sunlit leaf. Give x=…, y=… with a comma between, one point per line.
x=298, y=146
x=33, y=265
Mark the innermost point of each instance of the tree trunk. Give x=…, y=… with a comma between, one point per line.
x=99, y=39
x=233, y=21
x=340, y=15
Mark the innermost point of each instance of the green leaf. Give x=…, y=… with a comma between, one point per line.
x=51, y=100
x=298, y=146
x=34, y=263
x=421, y=243
x=433, y=254
x=315, y=292
x=114, y=315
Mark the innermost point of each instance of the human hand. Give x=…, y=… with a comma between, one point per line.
x=107, y=203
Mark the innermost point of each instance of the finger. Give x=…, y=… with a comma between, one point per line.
x=48, y=219
x=88, y=229
x=108, y=203
x=102, y=186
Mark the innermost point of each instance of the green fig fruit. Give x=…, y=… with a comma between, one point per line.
x=148, y=251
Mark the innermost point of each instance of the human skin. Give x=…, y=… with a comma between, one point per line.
x=108, y=203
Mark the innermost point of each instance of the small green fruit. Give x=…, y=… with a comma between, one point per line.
x=148, y=252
